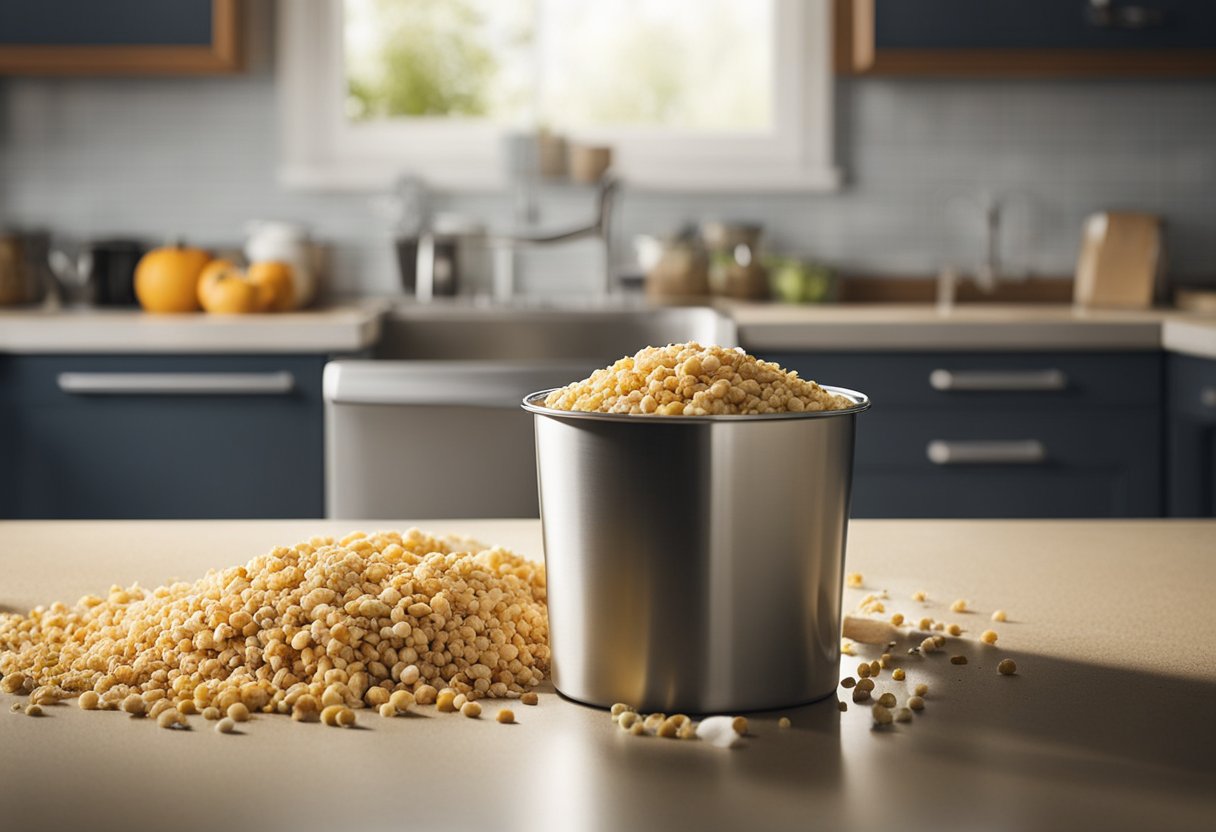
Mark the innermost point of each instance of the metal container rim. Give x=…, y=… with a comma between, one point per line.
x=531, y=403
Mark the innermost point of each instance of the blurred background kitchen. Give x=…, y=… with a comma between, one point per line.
x=375, y=225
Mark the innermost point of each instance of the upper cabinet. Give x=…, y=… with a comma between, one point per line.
x=1026, y=37
x=128, y=37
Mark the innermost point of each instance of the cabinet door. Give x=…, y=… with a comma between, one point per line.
x=1026, y=37
x=162, y=437
x=1191, y=440
x=1002, y=434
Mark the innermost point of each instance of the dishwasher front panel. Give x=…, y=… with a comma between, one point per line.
x=433, y=440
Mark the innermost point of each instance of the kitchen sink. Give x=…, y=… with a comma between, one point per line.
x=435, y=332
x=431, y=426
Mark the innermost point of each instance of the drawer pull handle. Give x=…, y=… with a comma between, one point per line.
x=986, y=452
x=997, y=381
x=1207, y=397
x=177, y=384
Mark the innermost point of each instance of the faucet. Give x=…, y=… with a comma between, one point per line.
x=600, y=227
x=989, y=270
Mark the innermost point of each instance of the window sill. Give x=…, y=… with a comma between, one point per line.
x=360, y=179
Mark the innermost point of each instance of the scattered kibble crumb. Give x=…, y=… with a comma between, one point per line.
x=847, y=647
x=898, y=674
x=33, y=709
x=959, y=606
x=784, y=722
x=939, y=640
x=238, y=712
x=903, y=715
x=637, y=729
x=739, y=723
x=688, y=731
x=853, y=579
x=842, y=705
x=887, y=700
x=171, y=719
x=530, y=698
x=928, y=645
x=860, y=695
x=346, y=718
x=955, y=630
x=1007, y=667
x=897, y=619
x=919, y=595
x=847, y=682
x=387, y=710
x=882, y=715
x=988, y=636
x=999, y=615
x=875, y=668
x=15, y=707
x=627, y=719
x=225, y=726
x=471, y=709
x=617, y=709
x=89, y=700
x=958, y=660
x=916, y=703
x=921, y=689
x=505, y=716
x=866, y=684
x=925, y=624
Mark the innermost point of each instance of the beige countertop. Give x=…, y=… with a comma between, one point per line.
x=346, y=328
x=761, y=327
x=1107, y=725
x=1009, y=327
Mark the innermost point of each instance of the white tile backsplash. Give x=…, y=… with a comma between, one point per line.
x=196, y=157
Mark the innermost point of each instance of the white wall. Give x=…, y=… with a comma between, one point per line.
x=196, y=157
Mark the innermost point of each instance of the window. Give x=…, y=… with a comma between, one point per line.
x=691, y=94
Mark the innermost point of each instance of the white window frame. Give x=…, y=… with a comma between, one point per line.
x=321, y=151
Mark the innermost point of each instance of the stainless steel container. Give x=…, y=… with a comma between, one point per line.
x=694, y=563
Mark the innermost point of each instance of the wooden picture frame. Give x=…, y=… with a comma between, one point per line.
x=222, y=55
x=857, y=54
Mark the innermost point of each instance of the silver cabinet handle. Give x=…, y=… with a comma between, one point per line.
x=177, y=384
x=997, y=381
x=986, y=452
x=1207, y=397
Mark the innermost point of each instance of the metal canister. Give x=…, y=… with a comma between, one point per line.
x=695, y=563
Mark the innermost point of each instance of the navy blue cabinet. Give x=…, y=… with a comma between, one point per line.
x=1191, y=438
x=161, y=436
x=1033, y=38
x=1002, y=435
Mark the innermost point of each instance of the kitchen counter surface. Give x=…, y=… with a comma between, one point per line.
x=761, y=327
x=969, y=327
x=346, y=328
x=1108, y=723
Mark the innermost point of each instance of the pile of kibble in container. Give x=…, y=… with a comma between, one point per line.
x=317, y=630
x=692, y=380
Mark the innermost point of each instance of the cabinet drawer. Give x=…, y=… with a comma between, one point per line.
x=1192, y=383
x=987, y=380
x=903, y=438
x=981, y=493
x=163, y=437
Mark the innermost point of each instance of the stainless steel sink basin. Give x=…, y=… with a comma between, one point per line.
x=431, y=425
x=469, y=333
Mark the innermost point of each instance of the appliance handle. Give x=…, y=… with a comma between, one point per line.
x=997, y=381
x=177, y=384
x=444, y=383
x=986, y=452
